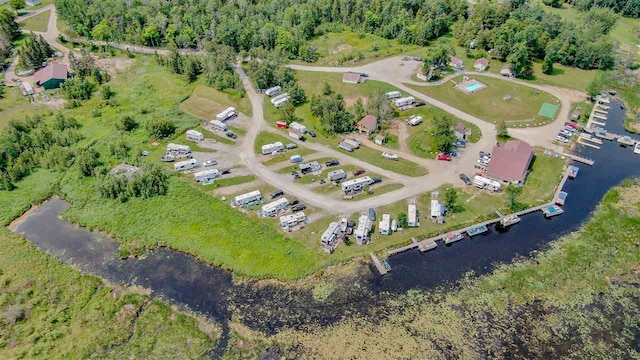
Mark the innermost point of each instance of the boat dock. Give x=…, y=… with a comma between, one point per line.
x=580, y=159
x=378, y=264
x=598, y=115
x=552, y=210
x=426, y=245
x=587, y=142
x=562, y=198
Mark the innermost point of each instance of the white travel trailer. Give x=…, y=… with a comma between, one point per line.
x=412, y=216
x=185, y=165
x=337, y=175
x=332, y=236
x=273, y=91
x=271, y=148
x=194, y=135
x=385, y=224
x=273, y=208
x=482, y=182
x=415, y=120
x=363, y=229
x=218, y=125
x=393, y=95
x=227, y=114
x=280, y=102
x=346, y=146
x=405, y=101
x=206, y=175
x=298, y=127
x=291, y=220
x=351, y=142
x=248, y=198
x=355, y=186
x=178, y=151
x=279, y=97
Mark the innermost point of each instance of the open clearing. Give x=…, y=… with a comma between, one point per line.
x=205, y=102
x=37, y=22
x=488, y=104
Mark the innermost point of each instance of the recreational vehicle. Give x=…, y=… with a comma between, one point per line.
x=279, y=97
x=393, y=95
x=194, y=135
x=346, y=146
x=278, y=103
x=227, y=114
x=311, y=167
x=332, y=236
x=206, y=175
x=291, y=220
x=385, y=224
x=362, y=230
x=405, y=101
x=415, y=120
x=178, y=151
x=247, y=199
x=482, y=182
x=185, y=165
x=218, y=125
x=337, y=175
x=437, y=215
x=273, y=208
x=412, y=216
x=298, y=127
x=271, y=148
x=273, y=91
x=355, y=186
x=351, y=142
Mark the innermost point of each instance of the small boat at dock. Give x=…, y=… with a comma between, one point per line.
x=452, y=237
x=386, y=265
x=573, y=171
x=552, y=210
x=426, y=245
x=626, y=141
x=636, y=149
x=509, y=220
x=562, y=197
x=477, y=230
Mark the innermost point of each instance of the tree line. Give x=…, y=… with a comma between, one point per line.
x=286, y=25
x=9, y=30
x=629, y=8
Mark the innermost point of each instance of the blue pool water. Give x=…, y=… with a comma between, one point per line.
x=473, y=87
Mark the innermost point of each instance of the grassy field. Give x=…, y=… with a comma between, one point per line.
x=576, y=297
x=234, y=181
x=69, y=315
x=16, y=106
x=38, y=22
x=374, y=157
x=349, y=48
x=420, y=141
x=487, y=103
x=205, y=102
x=545, y=175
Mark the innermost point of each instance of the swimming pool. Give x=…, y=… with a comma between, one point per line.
x=473, y=86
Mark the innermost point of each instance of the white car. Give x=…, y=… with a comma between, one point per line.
x=209, y=163
x=570, y=129
x=390, y=156
x=566, y=133
x=562, y=139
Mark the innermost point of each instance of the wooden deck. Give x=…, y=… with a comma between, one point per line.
x=580, y=159
x=378, y=264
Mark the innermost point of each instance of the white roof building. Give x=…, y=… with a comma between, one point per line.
x=247, y=198
x=271, y=209
x=385, y=224
x=292, y=220
x=226, y=114
x=355, y=185
x=412, y=216
x=363, y=229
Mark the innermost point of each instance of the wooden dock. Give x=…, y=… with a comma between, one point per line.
x=378, y=265
x=579, y=159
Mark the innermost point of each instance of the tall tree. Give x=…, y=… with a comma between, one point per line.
x=442, y=132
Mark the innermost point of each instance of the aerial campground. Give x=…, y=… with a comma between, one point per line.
x=320, y=179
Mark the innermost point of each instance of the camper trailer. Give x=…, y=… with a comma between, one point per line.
x=271, y=148
x=346, y=146
x=178, y=151
x=356, y=185
x=309, y=168
x=227, y=114
x=393, y=95
x=206, y=175
x=385, y=225
x=217, y=125
x=291, y=220
x=247, y=199
x=482, y=182
x=337, y=175
x=185, y=165
x=194, y=135
x=437, y=213
x=405, y=101
x=298, y=127
x=280, y=102
x=412, y=216
x=273, y=208
x=332, y=236
x=363, y=229
x=273, y=91
x=415, y=120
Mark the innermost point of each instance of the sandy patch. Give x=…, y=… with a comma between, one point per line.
x=341, y=48
x=113, y=66
x=350, y=101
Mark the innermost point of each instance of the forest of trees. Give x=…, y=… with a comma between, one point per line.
x=629, y=8
x=9, y=30
x=286, y=25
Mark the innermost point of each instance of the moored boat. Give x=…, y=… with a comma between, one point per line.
x=477, y=230
x=452, y=237
x=509, y=220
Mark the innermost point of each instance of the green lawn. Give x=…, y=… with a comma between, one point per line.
x=420, y=141
x=234, y=181
x=16, y=106
x=38, y=22
x=374, y=157
x=545, y=175
x=487, y=104
x=349, y=48
x=206, y=102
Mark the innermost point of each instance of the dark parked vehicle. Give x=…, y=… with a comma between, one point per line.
x=420, y=103
x=358, y=171
x=231, y=135
x=376, y=180
x=277, y=194
x=351, y=224
x=298, y=207
x=311, y=133
x=465, y=178
x=372, y=214
x=460, y=143
x=332, y=163
x=294, y=202
x=291, y=146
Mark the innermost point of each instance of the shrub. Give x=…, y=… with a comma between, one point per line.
x=160, y=128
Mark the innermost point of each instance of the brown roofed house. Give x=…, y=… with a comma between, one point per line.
x=506, y=70
x=51, y=76
x=351, y=78
x=367, y=125
x=481, y=64
x=461, y=131
x=510, y=162
x=456, y=62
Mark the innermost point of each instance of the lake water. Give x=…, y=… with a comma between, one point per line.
x=181, y=279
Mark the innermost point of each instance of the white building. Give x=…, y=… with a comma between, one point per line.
x=337, y=175
x=271, y=148
x=227, y=114
x=412, y=216
x=291, y=220
x=393, y=95
x=206, y=175
x=273, y=91
x=218, y=125
x=415, y=120
x=280, y=102
x=331, y=237
x=405, y=101
x=194, y=135
x=273, y=208
x=385, y=224
x=185, y=165
x=363, y=229
x=482, y=182
x=248, y=198
x=355, y=185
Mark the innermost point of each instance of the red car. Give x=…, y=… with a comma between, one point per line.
x=573, y=125
x=281, y=125
x=444, y=157
x=359, y=171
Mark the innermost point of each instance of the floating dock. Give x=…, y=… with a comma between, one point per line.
x=452, y=237
x=580, y=159
x=552, y=210
x=509, y=220
x=626, y=140
x=426, y=245
x=477, y=230
x=562, y=197
x=573, y=171
x=379, y=266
